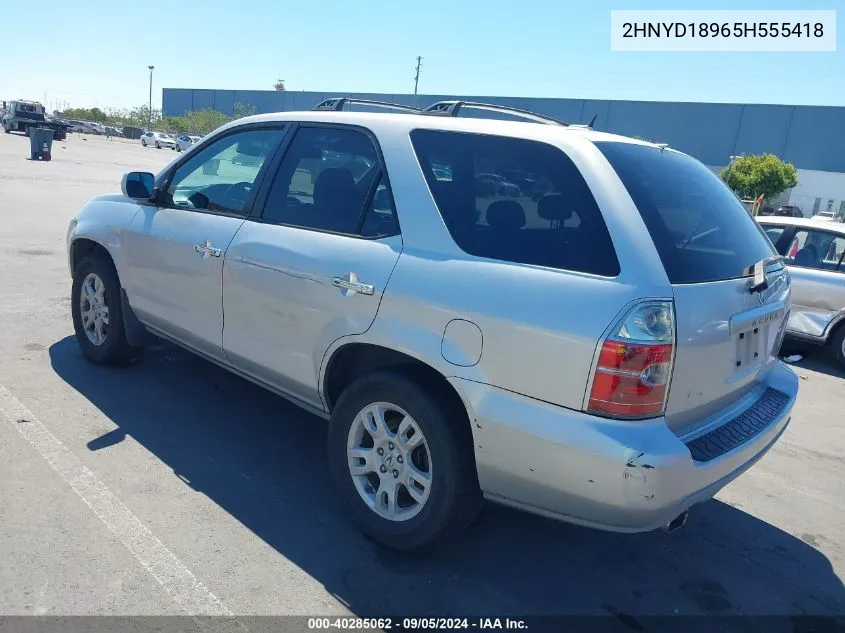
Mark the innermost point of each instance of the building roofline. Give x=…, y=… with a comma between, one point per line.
x=532, y=97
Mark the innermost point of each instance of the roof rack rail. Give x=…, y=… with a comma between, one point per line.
x=336, y=104
x=453, y=108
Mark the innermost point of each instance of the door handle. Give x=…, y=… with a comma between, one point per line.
x=350, y=282
x=207, y=249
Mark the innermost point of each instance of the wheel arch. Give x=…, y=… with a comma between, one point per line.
x=356, y=358
x=83, y=246
x=832, y=328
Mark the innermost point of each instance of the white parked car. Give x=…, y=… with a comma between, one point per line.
x=81, y=127
x=825, y=216
x=157, y=140
x=185, y=141
x=604, y=355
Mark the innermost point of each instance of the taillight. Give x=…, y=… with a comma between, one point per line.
x=635, y=364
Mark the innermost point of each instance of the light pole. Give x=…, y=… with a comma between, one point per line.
x=417, y=75
x=150, y=111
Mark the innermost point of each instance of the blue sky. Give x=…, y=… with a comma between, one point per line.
x=550, y=48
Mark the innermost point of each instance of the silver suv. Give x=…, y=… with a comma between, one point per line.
x=599, y=348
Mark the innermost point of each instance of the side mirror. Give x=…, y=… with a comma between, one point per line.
x=138, y=185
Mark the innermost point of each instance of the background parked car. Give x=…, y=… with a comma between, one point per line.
x=494, y=184
x=96, y=127
x=786, y=210
x=157, y=140
x=184, y=141
x=815, y=255
x=79, y=127
x=825, y=216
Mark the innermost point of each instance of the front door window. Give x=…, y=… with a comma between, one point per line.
x=221, y=176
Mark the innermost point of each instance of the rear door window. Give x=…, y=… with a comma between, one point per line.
x=816, y=249
x=515, y=200
x=700, y=229
x=331, y=179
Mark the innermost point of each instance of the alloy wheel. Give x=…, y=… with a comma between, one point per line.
x=389, y=461
x=94, y=309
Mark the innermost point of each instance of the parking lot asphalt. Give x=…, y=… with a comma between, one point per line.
x=171, y=486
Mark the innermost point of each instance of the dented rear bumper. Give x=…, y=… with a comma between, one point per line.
x=626, y=476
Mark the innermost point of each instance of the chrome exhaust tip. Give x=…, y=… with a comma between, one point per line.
x=677, y=523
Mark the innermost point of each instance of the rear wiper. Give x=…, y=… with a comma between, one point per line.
x=760, y=283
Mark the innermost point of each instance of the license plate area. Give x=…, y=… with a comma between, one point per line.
x=755, y=333
x=751, y=347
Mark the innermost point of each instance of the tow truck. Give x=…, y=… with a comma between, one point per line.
x=21, y=115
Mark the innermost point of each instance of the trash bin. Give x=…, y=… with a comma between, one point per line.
x=40, y=143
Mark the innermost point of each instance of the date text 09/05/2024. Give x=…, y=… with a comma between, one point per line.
x=417, y=624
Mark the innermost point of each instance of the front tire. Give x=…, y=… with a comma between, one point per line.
x=402, y=459
x=143, y=143
x=98, y=313
x=158, y=145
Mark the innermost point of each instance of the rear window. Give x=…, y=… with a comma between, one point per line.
x=515, y=200
x=700, y=229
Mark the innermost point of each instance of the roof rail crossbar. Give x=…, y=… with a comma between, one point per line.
x=336, y=104
x=453, y=108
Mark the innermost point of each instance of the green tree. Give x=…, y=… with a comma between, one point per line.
x=89, y=114
x=750, y=176
x=199, y=122
x=205, y=120
x=177, y=124
x=242, y=110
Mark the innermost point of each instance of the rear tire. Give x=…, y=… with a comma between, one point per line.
x=112, y=347
x=143, y=143
x=158, y=145
x=452, y=499
x=838, y=343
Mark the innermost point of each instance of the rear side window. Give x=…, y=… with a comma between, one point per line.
x=515, y=200
x=700, y=229
x=816, y=249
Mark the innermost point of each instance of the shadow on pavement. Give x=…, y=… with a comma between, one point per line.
x=208, y=426
x=814, y=358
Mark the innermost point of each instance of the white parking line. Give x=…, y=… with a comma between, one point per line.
x=173, y=576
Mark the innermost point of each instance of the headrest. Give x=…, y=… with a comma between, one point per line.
x=554, y=207
x=807, y=256
x=506, y=214
x=334, y=178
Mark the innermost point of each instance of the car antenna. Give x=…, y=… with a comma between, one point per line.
x=593, y=120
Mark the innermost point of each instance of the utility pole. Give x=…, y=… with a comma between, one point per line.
x=150, y=111
x=417, y=76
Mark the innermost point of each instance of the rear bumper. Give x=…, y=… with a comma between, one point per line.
x=613, y=475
